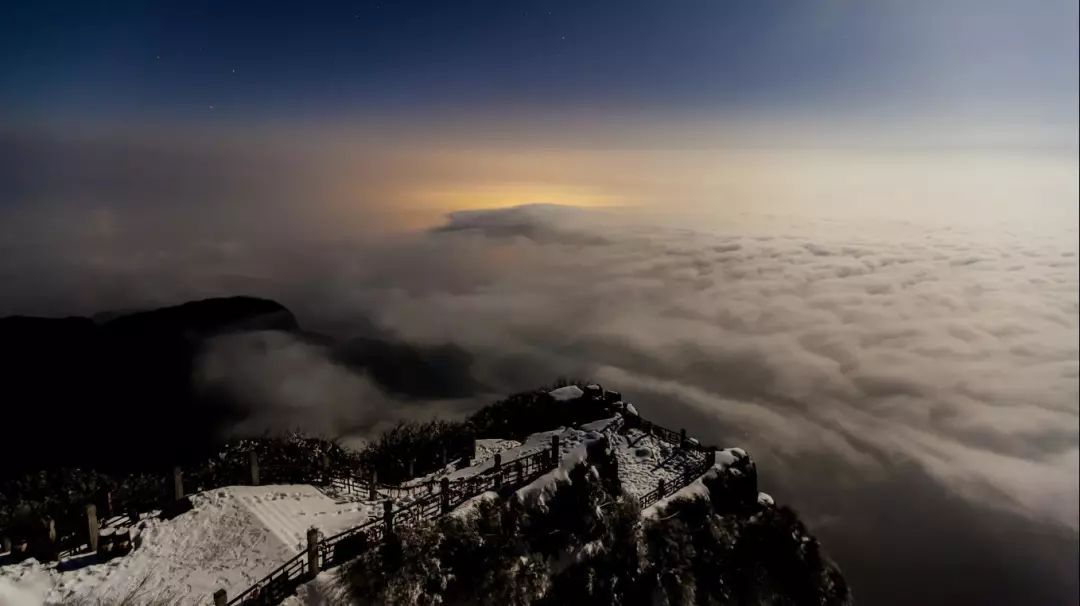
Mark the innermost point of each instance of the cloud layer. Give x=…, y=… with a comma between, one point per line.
x=911, y=388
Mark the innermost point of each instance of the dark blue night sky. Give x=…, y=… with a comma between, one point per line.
x=177, y=59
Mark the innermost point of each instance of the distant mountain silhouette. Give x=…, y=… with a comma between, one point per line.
x=75, y=391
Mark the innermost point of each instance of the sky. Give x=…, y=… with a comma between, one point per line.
x=842, y=234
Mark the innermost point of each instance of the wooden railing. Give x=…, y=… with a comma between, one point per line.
x=669, y=487
x=353, y=542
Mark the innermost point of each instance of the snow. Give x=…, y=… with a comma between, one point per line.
x=765, y=499
x=231, y=538
x=693, y=490
x=487, y=448
x=630, y=409
x=570, y=392
x=727, y=456
x=325, y=589
x=27, y=585
x=236, y=535
x=468, y=506
x=602, y=425
x=644, y=460
x=542, y=488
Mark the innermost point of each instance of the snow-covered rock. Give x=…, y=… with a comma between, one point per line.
x=563, y=394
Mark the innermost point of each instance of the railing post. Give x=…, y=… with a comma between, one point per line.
x=178, y=483
x=444, y=494
x=682, y=438
x=388, y=515
x=221, y=598
x=555, y=450
x=520, y=472
x=660, y=488
x=313, y=552
x=498, y=470
x=372, y=495
x=92, y=526
x=253, y=463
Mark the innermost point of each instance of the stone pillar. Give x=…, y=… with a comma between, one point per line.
x=372, y=494
x=92, y=526
x=178, y=483
x=253, y=465
x=444, y=494
x=221, y=598
x=555, y=450
x=388, y=515
x=313, y=552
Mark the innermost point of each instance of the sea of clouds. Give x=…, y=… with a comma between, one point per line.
x=911, y=388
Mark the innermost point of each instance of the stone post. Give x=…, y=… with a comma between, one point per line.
x=253, y=465
x=660, y=487
x=444, y=494
x=178, y=483
x=221, y=598
x=555, y=450
x=498, y=470
x=313, y=552
x=92, y=526
x=372, y=494
x=520, y=472
x=388, y=515
x=682, y=438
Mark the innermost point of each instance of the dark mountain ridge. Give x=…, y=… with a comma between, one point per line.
x=81, y=392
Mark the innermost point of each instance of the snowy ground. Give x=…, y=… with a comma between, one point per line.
x=236, y=535
x=231, y=538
